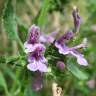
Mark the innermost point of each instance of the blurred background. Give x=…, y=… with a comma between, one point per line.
x=16, y=16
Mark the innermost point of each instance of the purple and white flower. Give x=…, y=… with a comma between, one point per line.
x=33, y=38
x=33, y=34
x=35, y=50
x=37, y=61
x=63, y=49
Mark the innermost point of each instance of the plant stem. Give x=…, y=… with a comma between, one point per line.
x=19, y=42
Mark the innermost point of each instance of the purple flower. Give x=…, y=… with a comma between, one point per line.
x=37, y=60
x=35, y=50
x=66, y=36
x=33, y=37
x=48, y=38
x=76, y=19
x=33, y=34
x=60, y=43
x=31, y=48
x=80, y=58
x=37, y=81
x=60, y=65
x=63, y=49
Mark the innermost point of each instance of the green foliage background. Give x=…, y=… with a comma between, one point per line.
x=16, y=16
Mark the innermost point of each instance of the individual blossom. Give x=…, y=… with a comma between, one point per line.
x=37, y=61
x=76, y=19
x=66, y=36
x=49, y=38
x=63, y=49
x=60, y=43
x=37, y=81
x=33, y=34
x=60, y=65
x=33, y=37
x=35, y=57
x=35, y=51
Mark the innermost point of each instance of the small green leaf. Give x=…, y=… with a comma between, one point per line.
x=11, y=59
x=9, y=22
x=76, y=72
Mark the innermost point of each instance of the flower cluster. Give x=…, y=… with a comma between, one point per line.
x=35, y=58
x=63, y=49
x=61, y=42
x=35, y=48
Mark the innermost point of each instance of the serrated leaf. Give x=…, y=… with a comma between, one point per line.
x=76, y=71
x=9, y=22
x=43, y=13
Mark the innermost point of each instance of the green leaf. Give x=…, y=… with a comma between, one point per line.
x=21, y=24
x=43, y=13
x=9, y=22
x=3, y=83
x=76, y=72
x=12, y=59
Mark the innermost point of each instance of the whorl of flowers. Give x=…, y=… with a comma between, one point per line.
x=35, y=48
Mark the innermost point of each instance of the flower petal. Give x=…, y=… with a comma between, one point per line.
x=43, y=59
x=33, y=34
x=37, y=65
x=42, y=67
x=62, y=49
x=28, y=47
x=49, y=38
x=82, y=61
x=80, y=58
x=31, y=48
x=30, y=58
x=32, y=66
x=46, y=39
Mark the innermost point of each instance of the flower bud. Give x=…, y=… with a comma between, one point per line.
x=60, y=65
